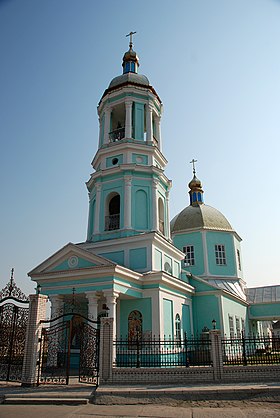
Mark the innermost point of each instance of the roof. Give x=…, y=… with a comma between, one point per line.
x=266, y=294
x=131, y=78
x=200, y=216
x=232, y=286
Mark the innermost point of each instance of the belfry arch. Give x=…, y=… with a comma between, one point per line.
x=112, y=212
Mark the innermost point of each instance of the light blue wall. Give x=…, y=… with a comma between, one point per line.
x=265, y=310
x=139, y=113
x=138, y=258
x=195, y=239
x=205, y=309
x=141, y=209
x=186, y=320
x=168, y=317
x=116, y=256
x=226, y=239
x=141, y=204
x=232, y=308
x=142, y=305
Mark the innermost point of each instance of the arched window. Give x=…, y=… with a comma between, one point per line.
x=134, y=326
x=112, y=218
x=178, y=328
x=161, y=216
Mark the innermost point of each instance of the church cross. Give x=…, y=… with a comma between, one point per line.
x=192, y=162
x=130, y=38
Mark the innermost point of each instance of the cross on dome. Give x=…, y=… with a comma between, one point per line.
x=130, y=34
x=192, y=162
x=130, y=59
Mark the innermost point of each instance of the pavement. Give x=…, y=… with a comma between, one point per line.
x=81, y=394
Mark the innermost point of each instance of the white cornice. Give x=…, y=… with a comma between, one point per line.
x=99, y=175
x=128, y=145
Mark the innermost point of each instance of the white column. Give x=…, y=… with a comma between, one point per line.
x=92, y=298
x=149, y=122
x=167, y=223
x=99, y=141
x=108, y=112
x=127, y=202
x=111, y=302
x=56, y=305
x=155, y=206
x=158, y=132
x=128, y=119
x=97, y=208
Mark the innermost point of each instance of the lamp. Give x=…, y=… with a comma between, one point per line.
x=38, y=289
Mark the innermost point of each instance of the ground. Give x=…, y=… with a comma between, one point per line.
x=198, y=409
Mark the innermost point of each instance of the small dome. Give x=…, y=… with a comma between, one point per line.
x=200, y=216
x=195, y=183
x=129, y=78
x=130, y=55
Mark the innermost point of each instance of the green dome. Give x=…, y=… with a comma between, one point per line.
x=133, y=78
x=200, y=217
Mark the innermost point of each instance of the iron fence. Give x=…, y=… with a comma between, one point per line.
x=251, y=350
x=166, y=352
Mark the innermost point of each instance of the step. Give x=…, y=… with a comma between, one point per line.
x=24, y=400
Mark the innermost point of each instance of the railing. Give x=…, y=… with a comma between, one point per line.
x=168, y=352
x=251, y=350
x=112, y=222
x=117, y=134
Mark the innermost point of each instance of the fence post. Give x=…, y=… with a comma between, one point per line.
x=244, y=349
x=37, y=312
x=216, y=353
x=106, y=352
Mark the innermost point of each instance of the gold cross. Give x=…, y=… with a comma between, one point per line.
x=192, y=162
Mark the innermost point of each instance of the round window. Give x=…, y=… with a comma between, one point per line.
x=167, y=267
x=115, y=161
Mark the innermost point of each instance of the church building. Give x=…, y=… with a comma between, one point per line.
x=151, y=276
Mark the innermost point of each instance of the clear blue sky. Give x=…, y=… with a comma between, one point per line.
x=215, y=65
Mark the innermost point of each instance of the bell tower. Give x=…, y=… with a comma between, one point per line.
x=128, y=192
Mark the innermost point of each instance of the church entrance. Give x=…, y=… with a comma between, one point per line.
x=69, y=350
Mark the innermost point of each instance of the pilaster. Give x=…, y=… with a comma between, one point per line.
x=127, y=202
x=97, y=208
x=128, y=119
x=37, y=312
x=106, y=350
x=217, y=354
x=149, y=123
x=155, y=205
x=108, y=112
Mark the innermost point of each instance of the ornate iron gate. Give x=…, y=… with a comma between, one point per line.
x=67, y=336
x=13, y=324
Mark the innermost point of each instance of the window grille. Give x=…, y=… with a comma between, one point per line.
x=220, y=254
x=189, y=257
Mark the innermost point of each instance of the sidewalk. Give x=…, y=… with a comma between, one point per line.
x=78, y=394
